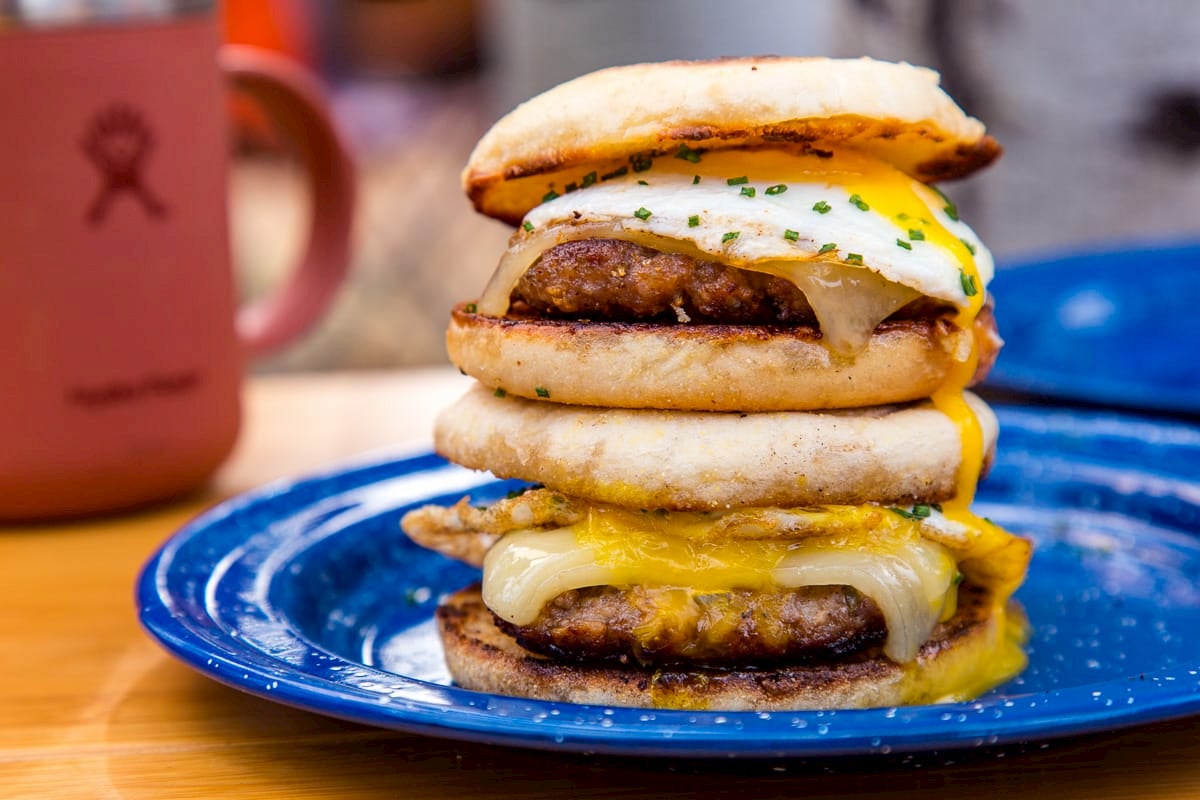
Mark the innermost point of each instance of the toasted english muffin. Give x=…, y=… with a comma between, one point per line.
x=708, y=367
x=686, y=460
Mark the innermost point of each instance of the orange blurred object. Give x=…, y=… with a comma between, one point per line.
x=410, y=37
x=283, y=26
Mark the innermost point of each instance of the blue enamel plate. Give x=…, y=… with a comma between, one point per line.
x=1116, y=327
x=308, y=594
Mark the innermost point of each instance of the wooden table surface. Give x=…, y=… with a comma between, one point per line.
x=91, y=707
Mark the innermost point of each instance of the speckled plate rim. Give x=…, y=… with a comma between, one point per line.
x=320, y=680
x=1022, y=371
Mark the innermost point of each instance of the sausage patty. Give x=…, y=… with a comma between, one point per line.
x=613, y=279
x=663, y=626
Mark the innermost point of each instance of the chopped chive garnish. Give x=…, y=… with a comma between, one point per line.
x=693, y=220
x=828, y=247
x=528, y=226
x=642, y=213
x=970, y=247
x=500, y=392
x=916, y=234
x=616, y=173
x=472, y=308
x=688, y=154
x=588, y=179
x=748, y=191
x=695, y=179
x=541, y=391
x=936, y=507
x=729, y=236
x=854, y=258
x=641, y=162
x=919, y=511
x=950, y=209
x=968, y=284
x=643, y=183
x=904, y=244
x=859, y=203
x=778, y=188
x=903, y=215
x=570, y=187
x=737, y=181
x=548, y=196
x=791, y=235
x=821, y=207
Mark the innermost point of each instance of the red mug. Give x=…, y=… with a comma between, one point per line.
x=120, y=359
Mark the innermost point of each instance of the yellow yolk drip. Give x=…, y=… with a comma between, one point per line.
x=949, y=398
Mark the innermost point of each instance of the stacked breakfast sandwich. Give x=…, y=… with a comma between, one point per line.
x=728, y=350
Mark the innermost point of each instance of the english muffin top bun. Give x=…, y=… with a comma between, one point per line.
x=897, y=113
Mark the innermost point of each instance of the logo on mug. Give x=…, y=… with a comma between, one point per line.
x=119, y=142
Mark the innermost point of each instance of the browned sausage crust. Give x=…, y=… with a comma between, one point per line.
x=612, y=279
x=651, y=625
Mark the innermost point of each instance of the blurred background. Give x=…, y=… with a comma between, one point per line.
x=1097, y=103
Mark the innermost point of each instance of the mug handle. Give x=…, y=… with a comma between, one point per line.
x=292, y=99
